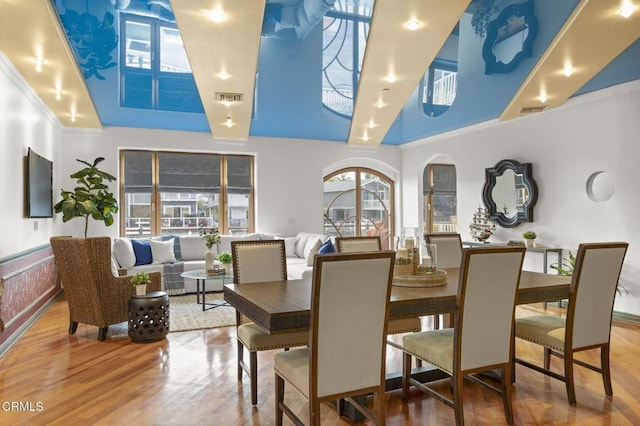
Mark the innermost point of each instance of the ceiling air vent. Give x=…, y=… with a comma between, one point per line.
x=229, y=97
x=527, y=110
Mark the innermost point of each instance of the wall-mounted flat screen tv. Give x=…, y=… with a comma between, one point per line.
x=39, y=185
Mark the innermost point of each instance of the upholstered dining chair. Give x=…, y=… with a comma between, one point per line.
x=341, y=362
x=449, y=252
x=95, y=296
x=259, y=261
x=587, y=324
x=353, y=244
x=360, y=244
x=482, y=336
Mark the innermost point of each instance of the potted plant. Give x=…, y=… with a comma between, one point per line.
x=225, y=258
x=568, y=265
x=211, y=238
x=140, y=281
x=91, y=198
x=529, y=237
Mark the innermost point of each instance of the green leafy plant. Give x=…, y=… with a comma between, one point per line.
x=529, y=235
x=568, y=265
x=225, y=257
x=91, y=198
x=140, y=278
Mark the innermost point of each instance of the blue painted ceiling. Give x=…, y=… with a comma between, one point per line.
x=288, y=99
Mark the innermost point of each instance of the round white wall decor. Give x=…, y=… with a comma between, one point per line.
x=600, y=186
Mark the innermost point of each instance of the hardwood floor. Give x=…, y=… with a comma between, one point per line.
x=190, y=378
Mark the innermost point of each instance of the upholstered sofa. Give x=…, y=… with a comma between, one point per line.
x=173, y=254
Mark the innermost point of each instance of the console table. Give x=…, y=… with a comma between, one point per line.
x=544, y=250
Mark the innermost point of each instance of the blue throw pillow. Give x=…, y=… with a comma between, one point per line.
x=142, y=249
x=327, y=247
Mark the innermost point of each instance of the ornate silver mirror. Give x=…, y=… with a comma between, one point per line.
x=509, y=193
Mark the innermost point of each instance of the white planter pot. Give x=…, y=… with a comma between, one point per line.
x=530, y=242
x=141, y=290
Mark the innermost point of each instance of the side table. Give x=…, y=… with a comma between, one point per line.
x=149, y=316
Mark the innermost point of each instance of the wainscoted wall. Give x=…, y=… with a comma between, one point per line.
x=28, y=284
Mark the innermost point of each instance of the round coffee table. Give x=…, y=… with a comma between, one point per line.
x=201, y=277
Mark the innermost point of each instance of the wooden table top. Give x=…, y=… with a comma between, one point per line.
x=279, y=306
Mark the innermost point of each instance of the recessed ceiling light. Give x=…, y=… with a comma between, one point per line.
x=380, y=104
x=228, y=122
x=223, y=75
x=216, y=15
x=365, y=137
x=626, y=10
x=371, y=124
x=39, y=62
x=567, y=70
x=413, y=24
x=73, y=114
x=543, y=97
x=391, y=78
x=58, y=94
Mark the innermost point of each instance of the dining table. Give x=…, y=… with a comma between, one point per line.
x=284, y=306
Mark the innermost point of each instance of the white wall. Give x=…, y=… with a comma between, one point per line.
x=289, y=172
x=24, y=123
x=595, y=132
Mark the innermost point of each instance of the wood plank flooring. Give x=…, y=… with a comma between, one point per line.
x=50, y=377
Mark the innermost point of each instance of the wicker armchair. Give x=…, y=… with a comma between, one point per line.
x=95, y=296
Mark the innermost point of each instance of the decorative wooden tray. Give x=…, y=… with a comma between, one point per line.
x=421, y=280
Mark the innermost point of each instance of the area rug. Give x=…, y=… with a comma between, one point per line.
x=185, y=314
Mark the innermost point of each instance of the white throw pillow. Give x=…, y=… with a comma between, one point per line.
x=290, y=246
x=162, y=251
x=123, y=251
x=313, y=250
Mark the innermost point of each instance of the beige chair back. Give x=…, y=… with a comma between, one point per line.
x=489, y=280
x=349, y=313
x=258, y=261
x=449, y=248
x=355, y=244
x=593, y=290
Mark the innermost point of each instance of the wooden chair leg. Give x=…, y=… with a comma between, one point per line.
x=547, y=358
x=279, y=399
x=406, y=374
x=568, y=375
x=458, y=405
x=506, y=393
x=606, y=371
x=102, y=333
x=73, y=327
x=436, y=322
x=240, y=359
x=380, y=407
x=314, y=412
x=253, y=368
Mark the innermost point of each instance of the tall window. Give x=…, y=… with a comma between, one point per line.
x=177, y=193
x=440, y=198
x=359, y=201
x=155, y=71
x=439, y=87
x=345, y=30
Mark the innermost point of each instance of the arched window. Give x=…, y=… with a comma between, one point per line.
x=359, y=201
x=345, y=30
x=440, y=198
